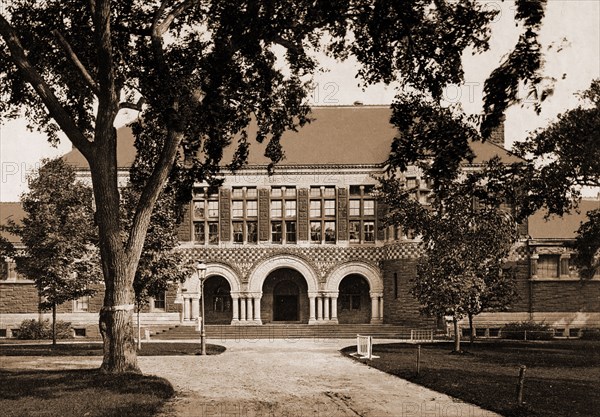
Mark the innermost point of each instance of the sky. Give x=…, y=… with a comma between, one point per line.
x=571, y=41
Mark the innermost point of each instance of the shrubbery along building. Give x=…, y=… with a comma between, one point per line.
x=307, y=244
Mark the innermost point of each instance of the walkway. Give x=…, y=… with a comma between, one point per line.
x=293, y=378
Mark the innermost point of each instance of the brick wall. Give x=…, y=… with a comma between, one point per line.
x=18, y=298
x=400, y=307
x=566, y=296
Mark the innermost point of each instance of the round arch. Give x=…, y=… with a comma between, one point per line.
x=212, y=269
x=371, y=274
x=262, y=270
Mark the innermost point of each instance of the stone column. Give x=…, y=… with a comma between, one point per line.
x=326, y=308
x=257, y=319
x=243, y=310
x=236, y=312
x=374, y=309
x=195, y=308
x=334, y=318
x=250, y=305
x=186, y=309
x=381, y=308
x=311, y=302
x=319, y=309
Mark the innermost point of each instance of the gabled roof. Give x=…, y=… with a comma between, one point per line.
x=11, y=211
x=564, y=227
x=340, y=135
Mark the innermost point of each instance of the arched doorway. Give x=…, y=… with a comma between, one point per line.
x=217, y=300
x=285, y=297
x=354, y=302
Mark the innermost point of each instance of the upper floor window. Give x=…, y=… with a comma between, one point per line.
x=244, y=214
x=548, y=266
x=283, y=215
x=322, y=215
x=206, y=216
x=361, y=211
x=81, y=304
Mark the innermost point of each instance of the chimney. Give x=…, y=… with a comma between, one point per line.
x=497, y=135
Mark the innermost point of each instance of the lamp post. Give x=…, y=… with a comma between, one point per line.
x=201, y=268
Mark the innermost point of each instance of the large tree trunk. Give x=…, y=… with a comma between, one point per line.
x=456, y=334
x=54, y=324
x=471, y=333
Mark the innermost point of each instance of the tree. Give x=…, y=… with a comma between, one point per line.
x=560, y=160
x=199, y=71
x=465, y=241
x=59, y=237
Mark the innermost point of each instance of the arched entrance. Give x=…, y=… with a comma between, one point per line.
x=354, y=302
x=217, y=300
x=285, y=297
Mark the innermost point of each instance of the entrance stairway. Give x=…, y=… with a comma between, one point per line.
x=285, y=331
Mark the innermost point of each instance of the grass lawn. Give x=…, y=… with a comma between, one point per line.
x=562, y=377
x=80, y=393
x=95, y=349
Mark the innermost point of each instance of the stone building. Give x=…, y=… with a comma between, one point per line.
x=306, y=244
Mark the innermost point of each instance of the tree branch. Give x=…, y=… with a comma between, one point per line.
x=32, y=76
x=134, y=106
x=161, y=28
x=78, y=64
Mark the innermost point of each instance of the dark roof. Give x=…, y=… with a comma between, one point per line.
x=564, y=227
x=341, y=135
x=12, y=211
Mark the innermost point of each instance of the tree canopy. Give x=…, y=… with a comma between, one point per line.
x=465, y=241
x=200, y=71
x=59, y=236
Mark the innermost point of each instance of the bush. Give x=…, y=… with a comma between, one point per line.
x=526, y=330
x=37, y=330
x=590, y=334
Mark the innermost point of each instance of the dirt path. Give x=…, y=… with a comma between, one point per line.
x=281, y=378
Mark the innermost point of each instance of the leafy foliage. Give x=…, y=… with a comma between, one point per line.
x=535, y=331
x=466, y=242
x=58, y=234
x=37, y=330
x=200, y=72
x=561, y=159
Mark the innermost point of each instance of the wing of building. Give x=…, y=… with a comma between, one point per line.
x=304, y=246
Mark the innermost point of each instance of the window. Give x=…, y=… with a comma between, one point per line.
x=206, y=216
x=547, y=266
x=276, y=232
x=244, y=211
x=82, y=304
x=323, y=215
x=361, y=211
x=79, y=332
x=283, y=215
x=160, y=301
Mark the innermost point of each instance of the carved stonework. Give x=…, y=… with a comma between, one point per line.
x=342, y=212
x=303, y=214
x=263, y=215
x=225, y=214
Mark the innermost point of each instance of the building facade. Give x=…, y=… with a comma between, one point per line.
x=307, y=244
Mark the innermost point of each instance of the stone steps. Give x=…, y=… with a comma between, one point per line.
x=286, y=331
